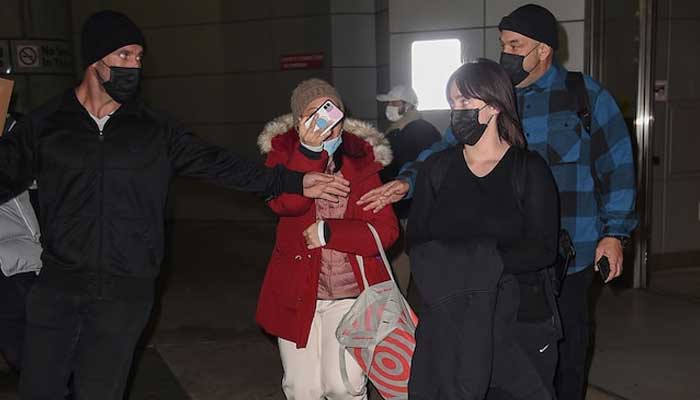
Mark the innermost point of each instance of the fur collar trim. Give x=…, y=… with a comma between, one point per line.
x=363, y=130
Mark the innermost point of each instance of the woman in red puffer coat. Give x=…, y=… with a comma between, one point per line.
x=313, y=277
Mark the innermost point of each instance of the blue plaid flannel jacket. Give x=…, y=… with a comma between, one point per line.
x=594, y=171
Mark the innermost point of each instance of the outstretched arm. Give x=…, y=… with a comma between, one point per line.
x=403, y=186
x=191, y=156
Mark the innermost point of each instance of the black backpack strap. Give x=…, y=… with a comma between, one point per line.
x=519, y=177
x=576, y=87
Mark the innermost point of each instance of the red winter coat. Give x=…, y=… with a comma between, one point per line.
x=287, y=300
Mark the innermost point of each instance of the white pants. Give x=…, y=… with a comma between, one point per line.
x=313, y=373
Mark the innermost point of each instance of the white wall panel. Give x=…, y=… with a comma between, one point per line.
x=419, y=15
x=563, y=10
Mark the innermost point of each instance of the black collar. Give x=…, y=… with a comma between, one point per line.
x=70, y=103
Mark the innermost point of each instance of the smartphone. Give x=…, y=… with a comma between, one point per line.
x=604, y=267
x=328, y=117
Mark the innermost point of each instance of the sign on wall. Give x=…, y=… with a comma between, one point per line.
x=28, y=56
x=301, y=61
x=42, y=56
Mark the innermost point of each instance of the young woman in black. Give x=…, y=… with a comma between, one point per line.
x=469, y=194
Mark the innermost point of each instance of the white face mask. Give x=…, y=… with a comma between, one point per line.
x=392, y=113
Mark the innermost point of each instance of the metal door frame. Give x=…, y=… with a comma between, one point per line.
x=644, y=125
x=644, y=121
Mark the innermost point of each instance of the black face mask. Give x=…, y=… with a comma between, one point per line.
x=123, y=84
x=513, y=64
x=466, y=126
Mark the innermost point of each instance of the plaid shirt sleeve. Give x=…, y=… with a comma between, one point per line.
x=409, y=171
x=612, y=164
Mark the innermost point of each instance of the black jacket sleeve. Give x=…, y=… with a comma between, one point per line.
x=538, y=247
x=17, y=159
x=192, y=157
x=429, y=177
x=406, y=145
x=423, y=134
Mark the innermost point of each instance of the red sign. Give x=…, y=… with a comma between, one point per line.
x=301, y=61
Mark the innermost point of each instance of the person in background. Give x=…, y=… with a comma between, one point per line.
x=313, y=276
x=408, y=134
x=20, y=262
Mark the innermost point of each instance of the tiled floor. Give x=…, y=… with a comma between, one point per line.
x=647, y=346
x=152, y=380
x=204, y=345
x=677, y=282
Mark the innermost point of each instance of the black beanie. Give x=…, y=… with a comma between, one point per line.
x=105, y=32
x=533, y=21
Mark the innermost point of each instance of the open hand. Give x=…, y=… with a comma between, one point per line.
x=388, y=193
x=324, y=186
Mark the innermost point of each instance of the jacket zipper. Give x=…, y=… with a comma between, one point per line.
x=26, y=221
x=101, y=167
x=100, y=171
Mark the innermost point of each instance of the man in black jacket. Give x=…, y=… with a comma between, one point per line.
x=103, y=161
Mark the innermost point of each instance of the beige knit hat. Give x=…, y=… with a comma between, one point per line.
x=309, y=90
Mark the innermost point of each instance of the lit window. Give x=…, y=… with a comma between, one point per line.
x=432, y=63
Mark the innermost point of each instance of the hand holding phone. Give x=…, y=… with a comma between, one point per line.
x=326, y=117
x=308, y=134
x=604, y=268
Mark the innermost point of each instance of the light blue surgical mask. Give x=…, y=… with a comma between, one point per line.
x=331, y=145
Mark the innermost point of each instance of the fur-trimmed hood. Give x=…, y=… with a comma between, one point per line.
x=363, y=130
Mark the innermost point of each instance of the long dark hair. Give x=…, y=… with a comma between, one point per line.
x=487, y=81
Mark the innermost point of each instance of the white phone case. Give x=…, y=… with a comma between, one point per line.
x=328, y=116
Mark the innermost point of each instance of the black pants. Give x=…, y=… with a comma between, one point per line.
x=525, y=356
x=573, y=349
x=90, y=338
x=13, y=295
x=538, y=342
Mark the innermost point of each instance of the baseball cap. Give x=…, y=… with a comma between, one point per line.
x=400, y=92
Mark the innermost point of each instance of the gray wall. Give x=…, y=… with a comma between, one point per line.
x=48, y=20
x=355, y=54
x=676, y=178
x=620, y=52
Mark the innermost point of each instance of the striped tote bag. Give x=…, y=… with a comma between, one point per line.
x=378, y=332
